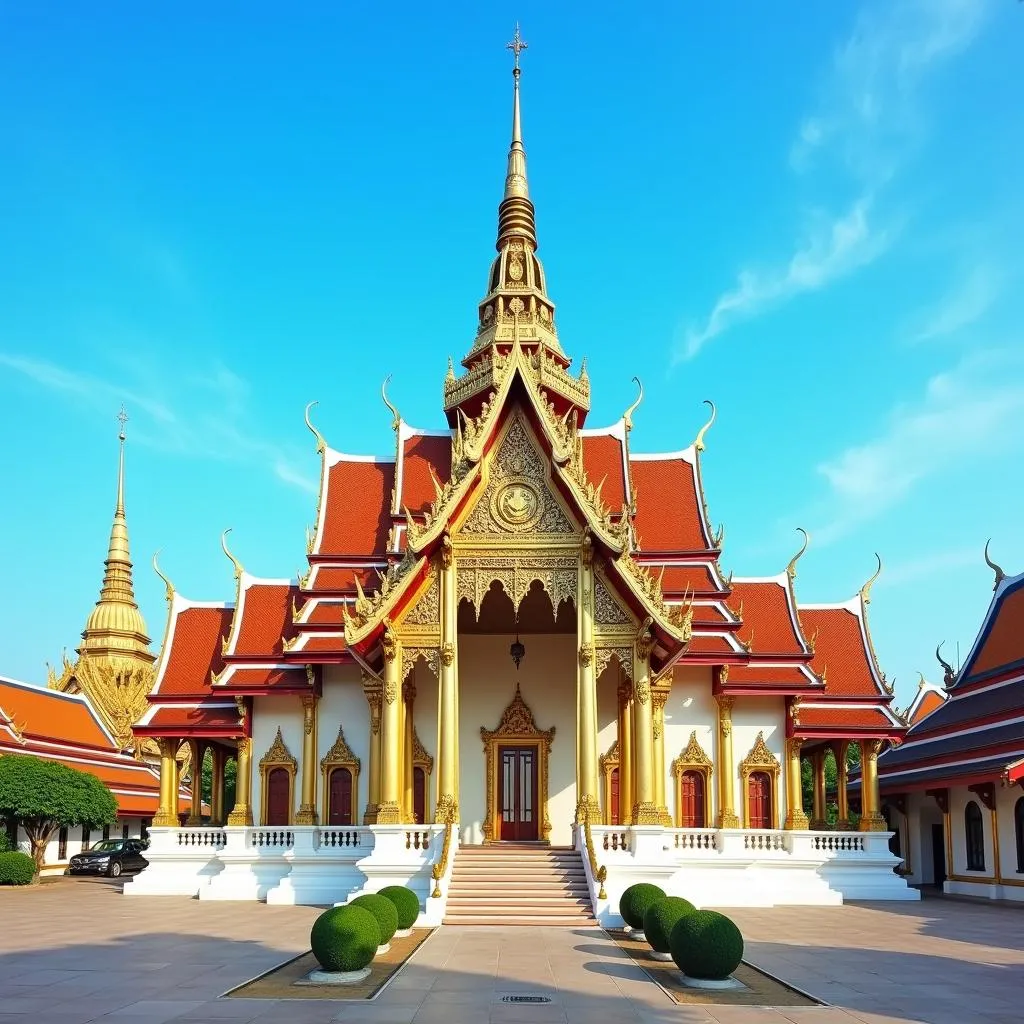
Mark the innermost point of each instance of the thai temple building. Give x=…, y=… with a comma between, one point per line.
x=85, y=718
x=952, y=791
x=516, y=645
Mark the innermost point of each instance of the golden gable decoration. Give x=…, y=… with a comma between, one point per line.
x=277, y=756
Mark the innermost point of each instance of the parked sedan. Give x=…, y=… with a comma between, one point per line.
x=110, y=857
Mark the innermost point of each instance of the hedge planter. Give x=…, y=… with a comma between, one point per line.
x=407, y=903
x=16, y=868
x=633, y=905
x=660, y=919
x=384, y=911
x=706, y=946
x=344, y=940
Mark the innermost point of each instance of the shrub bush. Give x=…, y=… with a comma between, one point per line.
x=345, y=938
x=16, y=868
x=635, y=900
x=383, y=910
x=706, y=944
x=406, y=902
x=661, y=918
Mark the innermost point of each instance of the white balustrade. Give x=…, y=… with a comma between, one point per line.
x=182, y=861
x=693, y=840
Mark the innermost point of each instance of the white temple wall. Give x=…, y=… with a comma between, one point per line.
x=690, y=706
x=487, y=683
x=268, y=714
x=74, y=844
x=959, y=797
x=344, y=704
x=1007, y=798
x=751, y=715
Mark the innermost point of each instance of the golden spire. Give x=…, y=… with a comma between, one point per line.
x=515, y=180
x=116, y=626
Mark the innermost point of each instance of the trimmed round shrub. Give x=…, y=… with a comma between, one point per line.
x=636, y=899
x=383, y=910
x=345, y=938
x=16, y=868
x=661, y=918
x=406, y=902
x=706, y=944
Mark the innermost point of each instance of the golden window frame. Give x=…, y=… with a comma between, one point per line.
x=517, y=728
x=278, y=756
x=609, y=763
x=421, y=759
x=760, y=759
x=693, y=758
x=339, y=756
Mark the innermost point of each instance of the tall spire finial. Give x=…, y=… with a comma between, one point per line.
x=515, y=180
x=517, y=45
x=122, y=418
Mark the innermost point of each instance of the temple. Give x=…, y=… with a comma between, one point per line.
x=952, y=791
x=517, y=629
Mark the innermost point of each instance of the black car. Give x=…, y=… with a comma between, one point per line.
x=110, y=857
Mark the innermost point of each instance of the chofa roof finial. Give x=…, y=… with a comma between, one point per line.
x=699, y=442
x=1000, y=575
x=234, y=561
x=791, y=568
x=396, y=417
x=865, y=591
x=168, y=585
x=627, y=416
x=948, y=675
x=321, y=444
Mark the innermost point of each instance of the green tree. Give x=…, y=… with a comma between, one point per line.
x=831, y=784
x=43, y=796
x=230, y=772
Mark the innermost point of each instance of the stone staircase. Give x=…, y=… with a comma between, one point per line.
x=513, y=884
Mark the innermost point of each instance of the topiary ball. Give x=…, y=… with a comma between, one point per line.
x=16, y=868
x=406, y=902
x=383, y=910
x=345, y=938
x=635, y=900
x=706, y=944
x=661, y=918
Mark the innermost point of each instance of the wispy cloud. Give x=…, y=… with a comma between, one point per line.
x=967, y=303
x=171, y=423
x=971, y=410
x=926, y=567
x=865, y=123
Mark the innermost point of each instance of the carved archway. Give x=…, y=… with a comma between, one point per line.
x=518, y=728
x=339, y=758
x=760, y=759
x=693, y=758
x=277, y=756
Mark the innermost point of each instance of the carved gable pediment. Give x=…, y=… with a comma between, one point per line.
x=278, y=755
x=517, y=720
x=693, y=755
x=760, y=757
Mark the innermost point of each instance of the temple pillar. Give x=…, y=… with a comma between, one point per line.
x=389, y=811
x=819, y=819
x=167, y=813
x=796, y=819
x=871, y=819
x=644, y=810
x=842, y=779
x=307, y=814
x=218, y=758
x=659, y=698
x=374, y=697
x=446, y=808
x=197, y=751
x=241, y=814
x=408, y=788
x=726, y=767
x=587, y=786
x=625, y=752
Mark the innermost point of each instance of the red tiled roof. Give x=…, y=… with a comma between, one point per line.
x=334, y=577
x=669, y=512
x=50, y=715
x=602, y=460
x=178, y=716
x=195, y=651
x=266, y=610
x=269, y=678
x=766, y=616
x=768, y=675
x=686, y=579
x=839, y=649
x=929, y=702
x=867, y=717
x=711, y=616
x=325, y=613
x=423, y=452
x=704, y=644
x=1004, y=644
x=321, y=644
x=357, y=516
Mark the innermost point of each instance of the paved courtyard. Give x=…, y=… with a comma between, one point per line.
x=77, y=951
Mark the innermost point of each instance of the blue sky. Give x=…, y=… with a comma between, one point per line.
x=806, y=212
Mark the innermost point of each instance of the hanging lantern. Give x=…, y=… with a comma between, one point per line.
x=518, y=651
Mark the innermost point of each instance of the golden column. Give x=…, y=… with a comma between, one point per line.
x=389, y=811
x=659, y=697
x=167, y=812
x=818, y=819
x=217, y=757
x=374, y=697
x=644, y=810
x=842, y=779
x=197, y=751
x=588, y=788
x=408, y=787
x=871, y=819
x=625, y=752
x=306, y=814
x=795, y=817
x=241, y=814
x=727, y=817
x=447, y=806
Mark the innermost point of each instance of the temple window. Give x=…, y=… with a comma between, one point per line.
x=692, y=773
x=340, y=769
x=277, y=776
x=85, y=837
x=1018, y=832
x=125, y=829
x=62, y=844
x=974, y=835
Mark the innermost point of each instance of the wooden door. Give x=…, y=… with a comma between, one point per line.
x=277, y=797
x=759, y=800
x=517, y=799
x=614, y=797
x=419, y=795
x=692, y=800
x=339, y=799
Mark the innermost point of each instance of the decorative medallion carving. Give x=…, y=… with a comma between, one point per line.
x=607, y=610
x=516, y=504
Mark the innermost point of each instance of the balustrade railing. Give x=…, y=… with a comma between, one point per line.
x=417, y=840
x=685, y=839
x=763, y=840
x=272, y=838
x=341, y=838
x=838, y=842
x=615, y=841
x=212, y=838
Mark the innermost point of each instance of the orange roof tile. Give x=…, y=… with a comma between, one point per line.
x=266, y=610
x=766, y=616
x=334, y=577
x=839, y=652
x=686, y=579
x=357, y=515
x=1004, y=644
x=325, y=613
x=929, y=702
x=669, y=514
x=195, y=651
x=205, y=716
x=270, y=678
x=789, y=676
x=704, y=644
x=50, y=715
x=867, y=717
x=315, y=643
x=423, y=452
x=602, y=460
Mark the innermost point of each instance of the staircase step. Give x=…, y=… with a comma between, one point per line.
x=517, y=922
